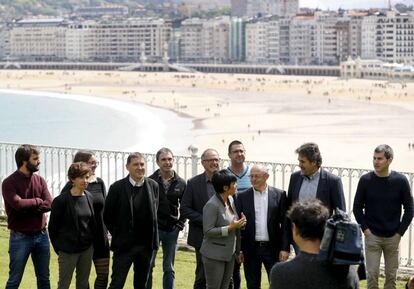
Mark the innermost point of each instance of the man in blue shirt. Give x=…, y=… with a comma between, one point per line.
x=241, y=171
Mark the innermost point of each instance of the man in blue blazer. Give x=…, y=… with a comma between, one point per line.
x=263, y=240
x=198, y=191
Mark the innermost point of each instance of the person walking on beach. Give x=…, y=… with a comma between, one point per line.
x=26, y=200
x=378, y=200
x=241, y=171
x=170, y=222
x=72, y=227
x=130, y=215
x=197, y=193
x=96, y=187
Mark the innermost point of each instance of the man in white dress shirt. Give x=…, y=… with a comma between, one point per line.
x=264, y=239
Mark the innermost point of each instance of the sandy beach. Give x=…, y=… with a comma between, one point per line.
x=271, y=115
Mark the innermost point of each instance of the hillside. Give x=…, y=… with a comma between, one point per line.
x=10, y=9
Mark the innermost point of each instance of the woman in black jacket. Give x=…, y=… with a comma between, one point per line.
x=97, y=189
x=72, y=227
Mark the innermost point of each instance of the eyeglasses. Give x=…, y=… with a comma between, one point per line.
x=256, y=176
x=93, y=163
x=211, y=160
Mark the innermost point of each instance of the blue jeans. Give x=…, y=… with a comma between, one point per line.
x=20, y=247
x=169, y=246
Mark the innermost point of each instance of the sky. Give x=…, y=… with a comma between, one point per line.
x=349, y=4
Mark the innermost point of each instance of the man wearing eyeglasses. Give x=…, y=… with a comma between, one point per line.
x=198, y=191
x=241, y=171
x=264, y=239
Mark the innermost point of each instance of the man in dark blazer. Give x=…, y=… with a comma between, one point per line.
x=263, y=240
x=314, y=182
x=131, y=217
x=198, y=191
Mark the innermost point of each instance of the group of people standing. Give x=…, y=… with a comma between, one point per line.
x=234, y=216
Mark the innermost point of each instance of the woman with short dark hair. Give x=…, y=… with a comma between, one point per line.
x=72, y=228
x=97, y=189
x=221, y=226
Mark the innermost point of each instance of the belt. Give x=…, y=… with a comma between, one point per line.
x=29, y=233
x=263, y=243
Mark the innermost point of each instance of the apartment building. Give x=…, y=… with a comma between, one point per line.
x=262, y=42
x=191, y=39
x=302, y=44
x=38, y=39
x=395, y=37
x=215, y=39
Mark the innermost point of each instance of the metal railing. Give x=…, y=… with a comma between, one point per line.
x=56, y=160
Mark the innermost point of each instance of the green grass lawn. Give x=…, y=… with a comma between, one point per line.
x=184, y=264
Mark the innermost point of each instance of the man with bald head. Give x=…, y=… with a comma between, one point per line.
x=264, y=239
x=198, y=191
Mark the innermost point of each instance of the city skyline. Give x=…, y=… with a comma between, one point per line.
x=350, y=4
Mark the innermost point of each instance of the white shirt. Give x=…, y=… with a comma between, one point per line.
x=261, y=205
x=136, y=184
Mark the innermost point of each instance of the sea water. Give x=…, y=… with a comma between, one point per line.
x=80, y=121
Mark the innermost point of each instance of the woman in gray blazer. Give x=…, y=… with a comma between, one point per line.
x=221, y=232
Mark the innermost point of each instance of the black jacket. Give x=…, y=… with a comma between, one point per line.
x=63, y=225
x=276, y=220
x=168, y=211
x=118, y=213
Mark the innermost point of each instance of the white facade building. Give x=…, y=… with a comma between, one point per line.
x=191, y=39
x=40, y=39
x=215, y=39
x=262, y=42
x=302, y=44
x=368, y=37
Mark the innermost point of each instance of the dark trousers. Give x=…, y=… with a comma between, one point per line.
x=200, y=278
x=253, y=260
x=235, y=280
x=140, y=257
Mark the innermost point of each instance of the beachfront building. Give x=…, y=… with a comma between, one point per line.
x=237, y=39
x=81, y=41
x=118, y=40
x=215, y=39
x=191, y=39
x=368, y=37
x=302, y=44
x=395, y=37
x=4, y=41
x=262, y=41
x=326, y=38
x=284, y=40
x=38, y=39
x=376, y=69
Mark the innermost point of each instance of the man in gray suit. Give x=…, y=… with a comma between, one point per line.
x=198, y=191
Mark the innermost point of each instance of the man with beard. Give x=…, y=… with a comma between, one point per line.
x=199, y=190
x=26, y=199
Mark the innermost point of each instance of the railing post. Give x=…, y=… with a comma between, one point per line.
x=194, y=159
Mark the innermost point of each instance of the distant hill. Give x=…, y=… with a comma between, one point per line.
x=10, y=9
